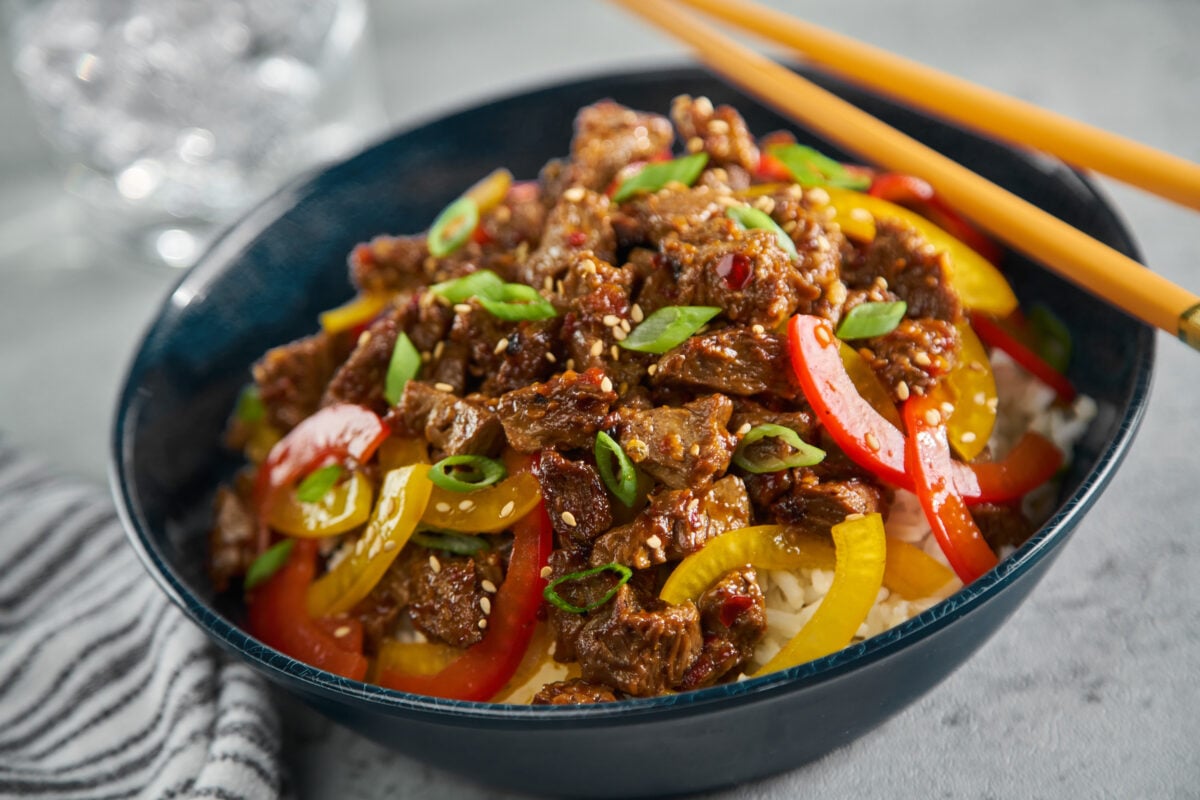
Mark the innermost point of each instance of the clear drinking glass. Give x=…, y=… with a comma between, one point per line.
x=173, y=116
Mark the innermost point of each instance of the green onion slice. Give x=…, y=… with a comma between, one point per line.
x=266, y=565
x=668, y=327
x=457, y=543
x=552, y=596
x=805, y=454
x=483, y=283
x=249, y=407
x=750, y=218
x=869, y=320
x=317, y=483
x=516, y=301
x=624, y=483
x=1052, y=338
x=810, y=168
x=404, y=366
x=466, y=473
x=453, y=227
x=655, y=176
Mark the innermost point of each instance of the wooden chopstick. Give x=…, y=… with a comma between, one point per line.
x=973, y=106
x=1114, y=277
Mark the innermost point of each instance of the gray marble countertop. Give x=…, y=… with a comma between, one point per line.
x=1089, y=691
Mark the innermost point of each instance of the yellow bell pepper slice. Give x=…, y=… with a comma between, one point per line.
x=980, y=286
x=359, y=311
x=402, y=499
x=912, y=573
x=763, y=546
x=490, y=190
x=342, y=508
x=971, y=388
x=400, y=451
x=414, y=658
x=868, y=384
x=489, y=510
x=861, y=552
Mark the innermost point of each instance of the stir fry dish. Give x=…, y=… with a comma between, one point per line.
x=689, y=407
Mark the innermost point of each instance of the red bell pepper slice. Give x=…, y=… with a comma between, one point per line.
x=918, y=195
x=876, y=445
x=333, y=434
x=994, y=335
x=487, y=666
x=276, y=615
x=932, y=468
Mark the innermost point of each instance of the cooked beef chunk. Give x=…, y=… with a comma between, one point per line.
x=820, y=245
x=608, y=136
x=389, y=264
x=291, y=379
x=733, y=616
x=362, y=378
x=818, y=505
x=640, y=647
x=516, y=221
x=445, y=594
x=575, y=499
x=587, y=274
x=566, y=625
x=231, y=544
x=721, y=132
x=1002, y=526
x=504, y=355
x=682, y=447
x=675, y=524
x=912, y=268
x=748, y=414
x=591, y=327
x=737, y=361
x=453, y=425
x=427, y=321
x=553, y=179
x=916, y=354
x=650, y=218
x=573, y=693
x=380, y=609
x=580, y=222
x=565, y=411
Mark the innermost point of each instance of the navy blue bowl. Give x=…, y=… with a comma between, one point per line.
x=265, y=282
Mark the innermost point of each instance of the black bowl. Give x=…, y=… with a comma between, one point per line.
x=265, y=282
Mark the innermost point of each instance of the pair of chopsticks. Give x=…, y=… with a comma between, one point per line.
x=1110, y=275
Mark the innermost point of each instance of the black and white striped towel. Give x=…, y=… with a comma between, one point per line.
x=106, y=689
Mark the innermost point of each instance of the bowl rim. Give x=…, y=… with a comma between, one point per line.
x=235, y=240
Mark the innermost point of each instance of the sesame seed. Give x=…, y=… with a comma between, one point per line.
x=625, y=326
x=466, y=505
x=443, y=507
x=501, y=345
x=968, y=437
x=615, y=352
x=487, y=586
x=389, y=546
x=443, y=387
x=574, y=194
x=387, y=506
x=653, y=368
x=462, y=308
x=921, y=359
x=980, y=398
x=358, y=546
x=975, y=366
x=438, y=349
x=486, y=604
x=341, y=631
x=363, y=338
x=872, y=441
x=861, y=214
x=744, y=429
x=426, y=356
x=610, y=320
x=597, y=348
x=702, y=106
x=548, y=284
x=695, y=144
x=551, y=357
x=757, y=329
x=902, y=390
x=569, y=518
x=993, y=403
x=654, y=542
x=570, y=363
x=695, y=449
x=718, y=126
x=947, y=408
x=374, y=551
x=636, y=314
x=606, y=384
x=823, y=335
x=933, y=417
x=854, y=516
x=619, y=333
x=558, y=287
x=546, y=572
x=508, y=508
x=483, y=623
x=434, y=564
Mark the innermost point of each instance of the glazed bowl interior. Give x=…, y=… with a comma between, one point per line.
x=265, y=282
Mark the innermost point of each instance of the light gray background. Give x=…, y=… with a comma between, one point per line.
x=1089, y=691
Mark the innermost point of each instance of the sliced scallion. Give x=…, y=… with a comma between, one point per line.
x=655, y=176
x=552, y=596
x=810, y=168
x=869, y=320
x=250, y=407
x=317, y=483
x=453, y=227
x=267, y=564
x=516, y=301
x=623, y=483
x=668, y=327
x=466, y=473
x=483, y=283
x=805, y=454
x=457, y=543
x=751, y=218
x=404, y=366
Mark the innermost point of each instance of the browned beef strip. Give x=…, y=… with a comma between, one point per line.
x=453, y=425
x=389, y=264
x=362, y=378
x=574, y=692
x=681, y=447
x=565, y=411
x=737, y=361
x=721, y=131
x=650, y=218
x=818, y=505
x=292, y=378
x=580, y=222
x=591, y=341
x=917, y=353
x=912, y=268
x=530, y=351
x=445, y=594
x=575, y=499
x=733, y=616
x=1002, y=526
x=820, y=244
x=608, y=136
x=231, y=543
x=676, y=523
x=641, y=647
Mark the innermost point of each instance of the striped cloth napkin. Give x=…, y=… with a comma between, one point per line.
x=106, y=689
